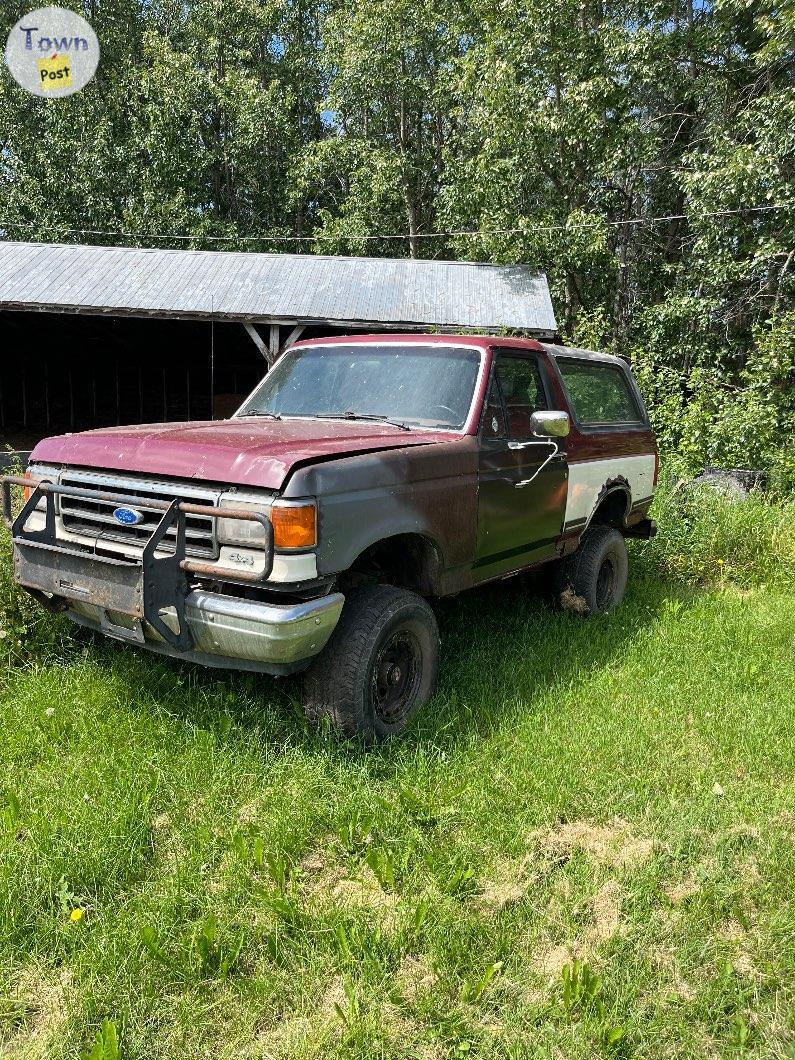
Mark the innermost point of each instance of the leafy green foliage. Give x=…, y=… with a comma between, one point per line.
x=545, y=130
x=106, y=1046
x=722, y=419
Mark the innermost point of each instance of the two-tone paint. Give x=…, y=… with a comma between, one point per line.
x=456, y=498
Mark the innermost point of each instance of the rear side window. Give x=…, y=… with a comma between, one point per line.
x=599, y=393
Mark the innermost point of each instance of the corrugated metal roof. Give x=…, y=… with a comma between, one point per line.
x=299, y=288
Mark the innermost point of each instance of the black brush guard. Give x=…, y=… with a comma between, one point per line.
x=55, y=572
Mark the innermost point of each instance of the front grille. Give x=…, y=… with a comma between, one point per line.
x=94, y=518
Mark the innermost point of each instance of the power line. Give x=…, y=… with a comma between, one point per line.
x=453, y=233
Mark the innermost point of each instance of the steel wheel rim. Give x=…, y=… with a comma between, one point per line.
x=396, y=675
x=605, y=582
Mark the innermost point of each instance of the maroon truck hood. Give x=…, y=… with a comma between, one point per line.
x=242, y=452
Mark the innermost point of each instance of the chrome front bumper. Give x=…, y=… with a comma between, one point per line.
x=230, y=632
x=148, y=598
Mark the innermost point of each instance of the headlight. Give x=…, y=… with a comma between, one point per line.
x=294, y=523
x=243, y=532
x=38, y=471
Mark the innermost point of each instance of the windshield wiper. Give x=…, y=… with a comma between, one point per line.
x=361, y=416
x=259, y=412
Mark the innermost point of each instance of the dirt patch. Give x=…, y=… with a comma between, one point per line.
x=550, y=962
x=334, y=995
x=414, y=978
x=668, y=966
x=606, y=911
x=318, y=1034
x=354, y=886
x=285, y=1037
x=610, y=844
x=508, y=883
x=740, y=940
x=682, y=891
x=604, y=923
x=40, y=999
x=249, y=812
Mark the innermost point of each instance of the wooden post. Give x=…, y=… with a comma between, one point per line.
x=273, y=345
x=294, y=336
x=256, y=338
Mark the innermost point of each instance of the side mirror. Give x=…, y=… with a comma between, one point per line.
x=550, y=424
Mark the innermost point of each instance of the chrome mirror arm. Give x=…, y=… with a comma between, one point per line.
x=540, y=468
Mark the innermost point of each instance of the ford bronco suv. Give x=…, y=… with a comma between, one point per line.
x=363, y=477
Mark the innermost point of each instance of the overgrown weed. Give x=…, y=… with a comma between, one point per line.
x=707, y=538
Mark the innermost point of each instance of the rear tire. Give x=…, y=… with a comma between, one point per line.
x=380, y=664
x=595, y=576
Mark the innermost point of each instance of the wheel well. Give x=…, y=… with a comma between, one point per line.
x=612, y=510
x=410, y=561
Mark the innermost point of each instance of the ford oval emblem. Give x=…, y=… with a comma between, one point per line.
x=128, y=516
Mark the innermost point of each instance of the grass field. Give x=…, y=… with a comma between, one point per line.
x=585, y=846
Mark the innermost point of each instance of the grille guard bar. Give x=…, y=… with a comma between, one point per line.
x=141, y=589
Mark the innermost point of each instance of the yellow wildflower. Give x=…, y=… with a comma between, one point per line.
x=77, y=915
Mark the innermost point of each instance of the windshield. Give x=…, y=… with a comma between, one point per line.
x=428, y=386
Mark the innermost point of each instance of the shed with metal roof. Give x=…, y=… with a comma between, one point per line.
x=177, y=314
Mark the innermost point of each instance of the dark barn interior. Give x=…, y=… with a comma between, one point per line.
x=70, y=372
x=104, y=336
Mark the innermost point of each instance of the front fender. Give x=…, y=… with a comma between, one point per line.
x=430, y=490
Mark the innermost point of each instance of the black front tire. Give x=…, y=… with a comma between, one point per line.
x=380, y=664
x=597, y=572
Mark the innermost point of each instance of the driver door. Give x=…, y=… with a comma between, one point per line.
x=521, y=493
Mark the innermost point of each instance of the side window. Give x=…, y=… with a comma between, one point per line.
x=599, y=393
x=523, y=393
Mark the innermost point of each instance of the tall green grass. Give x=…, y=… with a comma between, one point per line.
x=707, y=538
x=25, y=627
x=582, y=847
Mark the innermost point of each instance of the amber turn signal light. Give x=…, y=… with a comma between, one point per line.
x=294, y=527
x=27, y=491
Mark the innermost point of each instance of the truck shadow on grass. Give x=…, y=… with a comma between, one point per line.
x=504, y=647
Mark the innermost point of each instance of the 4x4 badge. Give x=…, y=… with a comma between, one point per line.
x=239, y=557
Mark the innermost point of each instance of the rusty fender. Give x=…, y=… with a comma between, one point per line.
x=430, y=490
